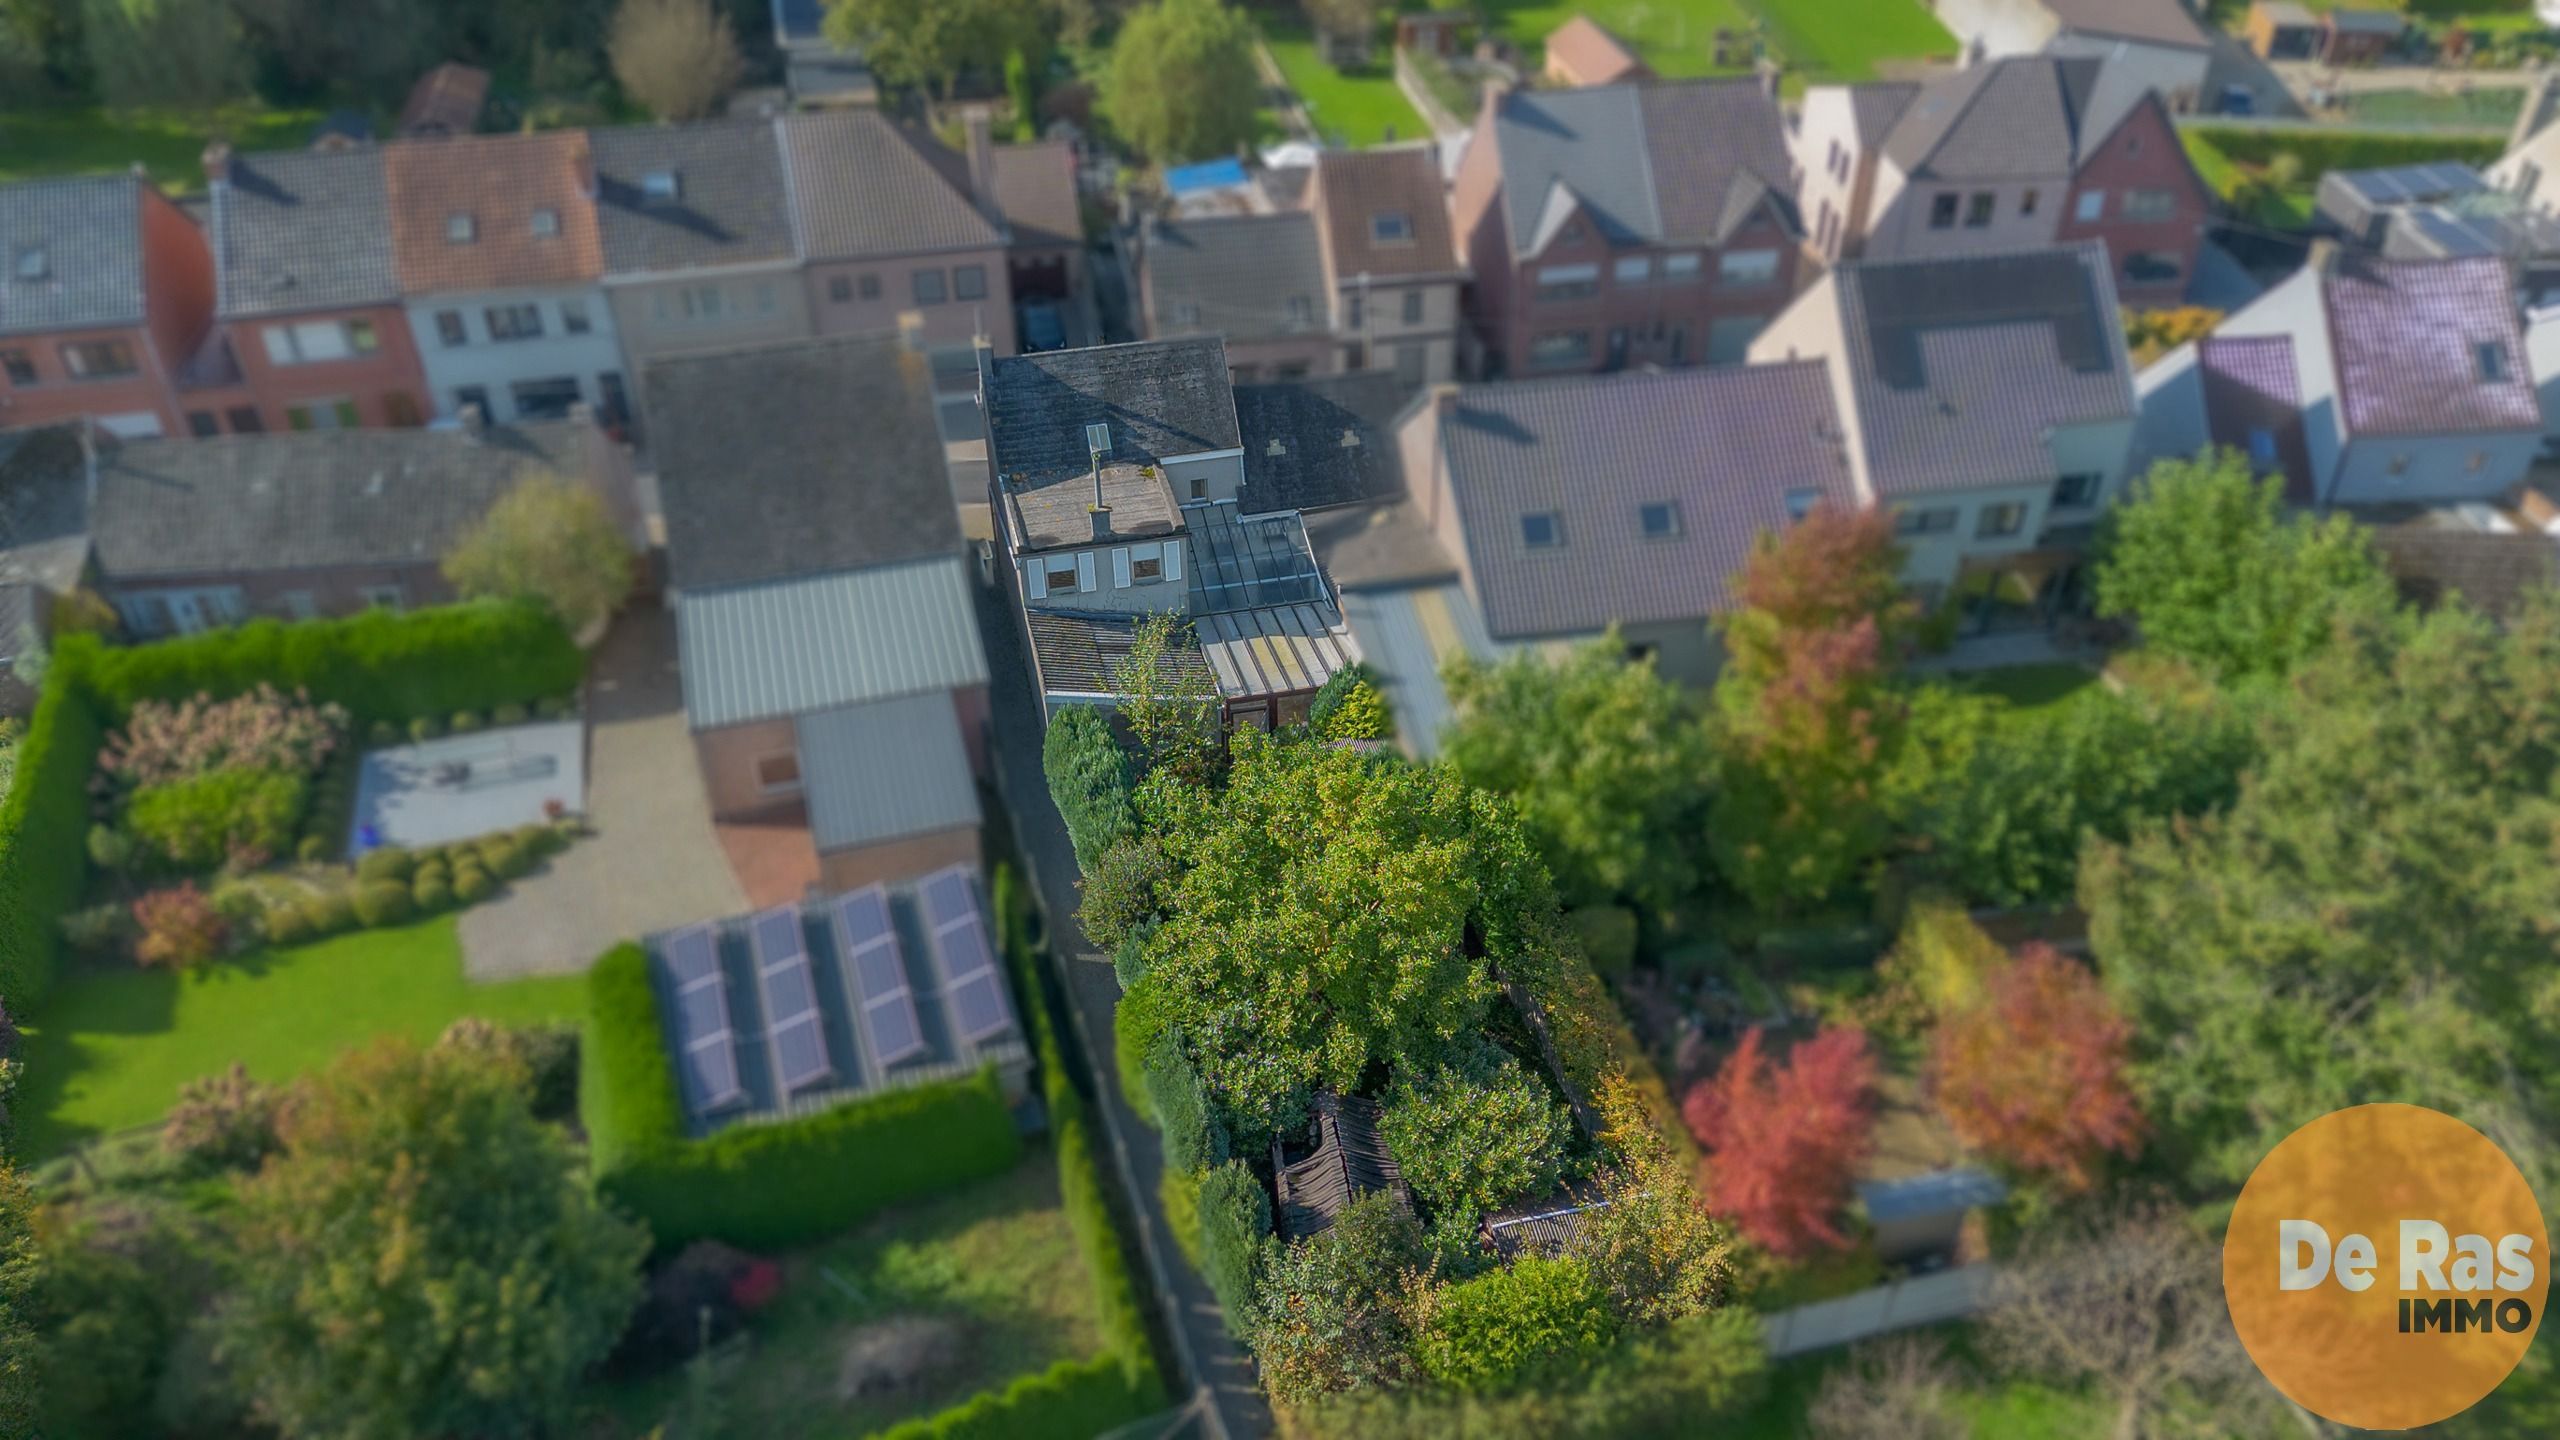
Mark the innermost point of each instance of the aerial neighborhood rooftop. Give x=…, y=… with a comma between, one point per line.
x=1648, y=720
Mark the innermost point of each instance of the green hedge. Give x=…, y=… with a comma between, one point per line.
x=2324, y=148
x=379, y=665
x=1071, y=1400
x=44, y=824
x=1235, y=1219
x=1089, y=781
x=765, y=1186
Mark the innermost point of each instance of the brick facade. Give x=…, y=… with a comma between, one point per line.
x=2154, y=256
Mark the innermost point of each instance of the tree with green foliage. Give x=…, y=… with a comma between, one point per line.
x=1120, y=891
x=931, y=45
x=1351, y=706
x=2208, y=561
x=182, y=55
x=1235, y=1221
x=1167, y=699
x=1605, y=759
x=22, y=1344
x=1656, y=1252
x=370, y=47
x=550, y=541
x=1474, y=1130
x=677, y=57
x=1182, y=83
x=423, y=1258
x=126, y=1277
x=1334, y=911
x=1809, y=722
x=1336, y=1311
x=2372, y=919
x=1089, y=781
x=1533, y=1317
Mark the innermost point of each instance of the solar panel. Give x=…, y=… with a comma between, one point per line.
x=703, y=1039
x=790, y=1000
x=876, y=968
x=960, y=947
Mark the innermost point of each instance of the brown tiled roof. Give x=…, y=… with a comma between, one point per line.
x=1036, y=189
x=1591, y=55
x=1355, y=188
x=1350, y=1160
x=2156, y=22
x=503, y=183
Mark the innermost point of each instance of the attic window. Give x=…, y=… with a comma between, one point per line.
x=34, y=263
x=1186, y=313
x=1543, y=530
x=1800, y=501
x=2491, y=356
x=1097, y=438
x=460, y=228
x=1302, y=311
x=1393, y=228
x=1661, y=521
x=660, y=185
x=546, y=222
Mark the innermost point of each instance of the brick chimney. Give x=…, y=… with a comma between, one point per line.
x=980, y=126
x=217, y=163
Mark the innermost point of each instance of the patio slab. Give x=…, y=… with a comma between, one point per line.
x=465, y=786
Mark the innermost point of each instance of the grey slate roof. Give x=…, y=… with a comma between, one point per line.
x=302, y=230
x=297, y=500
x=885, y=771
x=1960, y=367
x=1161, y=398
x=89, y=232
x=800, y=458
x=2407, y=334
x=44, y=508
x=1876, y=105
x=1035, y=186
x=2251, y=387
x=1311, y=444
x=1080, y=652
x=2491, y=573
x=863, y=186
x=1246, y=277
x=2153, y=22
x=1727, y=447
x=2025, y=116
x=731, y=206
x=1668, y=162
x=796, y=647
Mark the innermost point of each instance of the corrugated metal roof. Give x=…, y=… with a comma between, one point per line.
x=794, y=647
x=1278, y=650
x=885, y=770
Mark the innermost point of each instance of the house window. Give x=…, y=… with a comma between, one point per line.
x=19, y=366
x=870, y=287
x=547, y=399
x=778, y=773
x=337, y=414
x=449, y=329
x=1199, y=487
x=1633, y=270
x=2152, y=267
x=1542, y=530
x=2077, y=492
x=1680, y=268
x=513, y=322
x=471, y=397
x=1659, y=521
x=1186, y=314
x=969, y=282
x=461, y=229
x=98, y=359
x=574, y=318
x=1999, y=521
x=764, y=297
x=400, y=410
x=361, y=337
x=660, y=185
x=1977, y=209
x=1801, y=500
x=1392, y=228
x=1559, y=350
x=1413, y=307
x=929, y=287
x=1935, y=521
x=1302, y=311
x=300, y=605
x=611, y=402
x=2491, y=357
x=1290, y=370
x=1942, y=210
x=34, y=263
x=245, y=419
x=1355, y=314
x=839, y=288
x=202, y=424
x=546, y=223
x=2150, y=204
x=2398, y=466
x=1745, y=268
x=2092, y=206
x=2027, y=202
x=1831, y=161
x=1568, y=282
x=309, y=343
x=1060, y=573
x=1146, y=569
x=381, y=597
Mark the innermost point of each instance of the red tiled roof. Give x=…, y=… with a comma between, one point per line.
x=525, y=202
x=1589, y=55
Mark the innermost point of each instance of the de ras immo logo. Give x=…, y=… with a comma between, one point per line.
x=2386, y=1266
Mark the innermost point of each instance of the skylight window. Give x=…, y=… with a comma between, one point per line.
x=546, y=222
x=34, y=263
x=1392, y=228
x=460, y=228
x=1661, y=521
x=1800, y=502
x=2491, y=356
x=660, y=185
x=1097, y=438
x=1542, y=530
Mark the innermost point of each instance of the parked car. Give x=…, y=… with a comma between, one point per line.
x=1041, y=329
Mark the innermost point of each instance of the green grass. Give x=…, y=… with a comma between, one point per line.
x=2476, y=109
x=89, y=140
x=2287, y=209
x=113, y=1042
x=1845, y=40
x=1998, y=1409
x=1361, y=106
x=996, y=1260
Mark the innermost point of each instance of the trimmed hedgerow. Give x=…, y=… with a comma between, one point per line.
x=2325, y=148
x=1193, y=1138
x=43, y=822
x=1089, y=781
x=1235, y=1219
x=626, y=1084
x=1071, y=1400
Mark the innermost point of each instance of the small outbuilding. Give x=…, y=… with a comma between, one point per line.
x=2359, y=37
x=1348, y=1160
x=2282, y=30
x=1921, y=1218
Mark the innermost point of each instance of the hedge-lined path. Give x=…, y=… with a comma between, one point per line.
x=1206, y=1356
x=653, y=863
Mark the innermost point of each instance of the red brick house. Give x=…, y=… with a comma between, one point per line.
x=106, y=300
x=1626, y=224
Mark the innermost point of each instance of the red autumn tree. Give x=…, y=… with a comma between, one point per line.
x=1784, y=1138
x=2035, y=1075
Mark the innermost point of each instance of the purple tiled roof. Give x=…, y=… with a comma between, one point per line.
x=1726, y=448
x=2252, y=389
x=2410, y=338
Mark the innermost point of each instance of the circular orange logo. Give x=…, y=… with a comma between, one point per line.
x=2386, y=1266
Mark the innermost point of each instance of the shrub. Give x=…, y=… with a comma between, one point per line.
x=382, y=902
x=1336, y=1312
x=196, y=824
x=431, y=891
x=2321, y=150
x=382, y=734
x=312, y=850
x=261, y=729
x=1071, y=1400
x=1135, y=1023
x=240, y=908
x=505, y=858
x=432, y=865
x=289, y=924
x=552, y=707
x=537, y=839
x=511, y=712
x=110, y=848
x=1235, y=1220
x=425, y=728
x=1536, y=1316
x=46, y=802
x=1120, y=890
x=471, y=884
x=1193, y=1137
x=389, y=862
x=467, y=721
x=1088, y=777
x=179, y=928
x=1129, y=961
x=223, y=1122
x=1608, y=935
x=547, y=1054
x=1475, y=1131
x=100, y=929
x=1351, y=707
x=329, y=912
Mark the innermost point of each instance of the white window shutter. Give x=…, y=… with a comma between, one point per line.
x=1120, y=568
x=1035, y=576
x=1173, y=559
x=1084, y=572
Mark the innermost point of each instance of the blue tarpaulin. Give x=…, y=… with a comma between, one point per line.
x=1213, y=175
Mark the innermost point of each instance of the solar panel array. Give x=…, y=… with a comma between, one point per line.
x=969, y=975
x=875, y=966
x=703, y=1035
x=790, y=999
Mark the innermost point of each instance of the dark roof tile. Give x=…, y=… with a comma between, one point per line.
x=673, y=197
x=302, y=230
x=2411, y=336
x=865, y=186
x=1357, y=188
x=1312, y=444
x=1246, y=277
x=1161, y=398
x=70, y=254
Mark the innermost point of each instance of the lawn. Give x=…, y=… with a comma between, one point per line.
x=1360, y=107
x=2483, y=109
x=88, y=140
x=1846, y=40
x=111, y=1045
x=1998, y=1409
x=993, y=1268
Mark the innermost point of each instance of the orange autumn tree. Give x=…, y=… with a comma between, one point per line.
x=1785, y=1139
x=2035, y=1074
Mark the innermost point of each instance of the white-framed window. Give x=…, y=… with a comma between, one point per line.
x=546, y=223
x=2150, y=204
x=661, y=185
x=1998, y=522
x=778, y=773
x=461, y=228
x=1391, y=228
x=299, y=605
x=315, y=341
x=969, y=282
x=1632, y=270
x=450, y=329
x=1060, y=571
x=1741, y=268
x=2092, y=206
x=1683, y=266
x=382, y=597
x=1413, y=306
x=2078, y=492
x=1568, y=282
x=1659, y=520
x=513, y=322
x=1542, y=530
x=1937, y=520
x=573, y=316
x=1559, y=349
